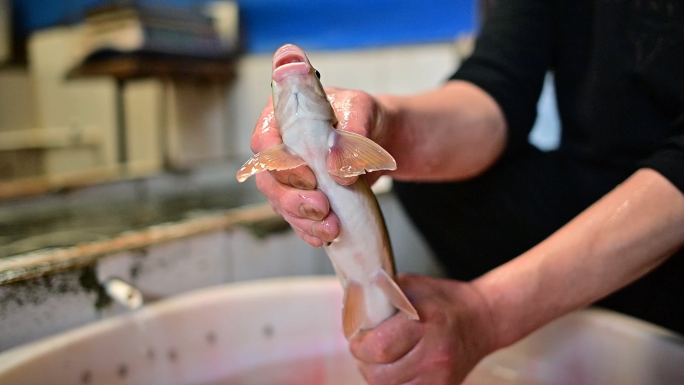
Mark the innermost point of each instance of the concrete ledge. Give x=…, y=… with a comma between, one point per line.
x=35, y=264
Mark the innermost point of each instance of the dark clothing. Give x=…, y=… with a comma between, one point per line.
x=619, y=75
x=477, y=225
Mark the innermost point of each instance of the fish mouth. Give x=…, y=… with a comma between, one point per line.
x=289, y=60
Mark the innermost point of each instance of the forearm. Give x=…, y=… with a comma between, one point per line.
x=617, y=240
x=451, y=133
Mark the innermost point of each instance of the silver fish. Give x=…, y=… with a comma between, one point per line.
x=361, y=254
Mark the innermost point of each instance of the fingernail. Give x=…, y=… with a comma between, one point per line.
x=321, y=231
x=308, y=211
x=299, y=182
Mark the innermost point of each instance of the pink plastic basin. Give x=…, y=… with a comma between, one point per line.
x=288, y=332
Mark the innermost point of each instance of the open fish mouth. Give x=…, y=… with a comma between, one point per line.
x=289, y=60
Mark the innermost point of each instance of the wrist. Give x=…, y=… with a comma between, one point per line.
x=486, y=313
x=388, y=121
x=510, y=293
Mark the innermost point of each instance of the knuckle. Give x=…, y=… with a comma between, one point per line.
x=263, y=184
x=445, y=378
x=440, y=361
x=285, y=203
x=254, y=142
x=381, y=350
x=356, y=348
x=304, y=236
x=279, y=210
x=374, y=377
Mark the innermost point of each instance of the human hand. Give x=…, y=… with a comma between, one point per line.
x=454, y=333
x=292, y=193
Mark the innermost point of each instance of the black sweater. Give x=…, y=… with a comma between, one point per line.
x=619, y=77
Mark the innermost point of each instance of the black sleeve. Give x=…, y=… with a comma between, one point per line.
x=512, y=55
x=669, y=159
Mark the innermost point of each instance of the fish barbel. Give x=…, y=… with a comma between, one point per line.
x=361, y=254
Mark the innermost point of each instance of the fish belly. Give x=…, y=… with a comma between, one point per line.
x=359, y=251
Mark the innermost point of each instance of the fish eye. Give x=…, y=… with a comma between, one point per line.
x=318, y=74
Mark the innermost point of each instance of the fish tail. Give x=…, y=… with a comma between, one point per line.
x=366, y=306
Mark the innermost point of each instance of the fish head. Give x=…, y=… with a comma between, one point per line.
x=297, y=90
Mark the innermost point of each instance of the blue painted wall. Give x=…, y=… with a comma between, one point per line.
x=313, y=24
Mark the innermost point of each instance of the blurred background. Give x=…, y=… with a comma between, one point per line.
x=123, y=124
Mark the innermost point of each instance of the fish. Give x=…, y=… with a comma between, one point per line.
x=361, y=255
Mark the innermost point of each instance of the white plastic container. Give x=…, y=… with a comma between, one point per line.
x=288, y=332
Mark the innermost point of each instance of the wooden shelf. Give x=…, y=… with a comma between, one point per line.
x=141, y=65
x=43, y=138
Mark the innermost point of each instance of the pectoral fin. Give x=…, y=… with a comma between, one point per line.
x=395, y=295
x=354, y=311
x=352, y=154
x=275, y=158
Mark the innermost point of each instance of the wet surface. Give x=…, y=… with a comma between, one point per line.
x=238, y=336
x=340, y=369
x=67, y=221
x=334, y=369
x=33, y=292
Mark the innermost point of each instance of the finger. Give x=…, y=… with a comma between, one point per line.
x=265, y=136
x=388, y=342
x=298, y=203
x=356, y=111
x=403, y=371
x=344, y=181
x=384, y=374
x=266, y=133
x=301, y=177
x=363, y=368
x=313, y=241
x=326, y=230
x=414, y=287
